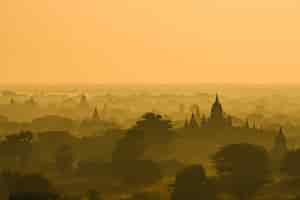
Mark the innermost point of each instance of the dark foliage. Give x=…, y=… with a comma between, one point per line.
x=130, y=147
x=191, y=183
x=31, y=186
x=242, y=168
x=138, y=172
x=156, y=129
x=64, y=159
x=18, y=147
x=291, y=164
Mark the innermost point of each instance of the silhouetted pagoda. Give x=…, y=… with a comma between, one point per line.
x=217, y=118
x=96, y=116
x=280, y=148
x=31, y=102
x=193, y=122
x=12, y=101
x=83, y=102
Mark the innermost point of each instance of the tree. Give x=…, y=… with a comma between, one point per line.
x=291, y=164
x=130, y=147
x=19, y=147
x=154, y=125
x=64, y=159
x=52, y=123
x=157, y=132
x=242, y=168
x=30, y=186
x=191, y=183
x=138, y=172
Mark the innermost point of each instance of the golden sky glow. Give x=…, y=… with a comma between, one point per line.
x=149, y=41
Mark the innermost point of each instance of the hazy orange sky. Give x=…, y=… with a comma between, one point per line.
x=149, y=41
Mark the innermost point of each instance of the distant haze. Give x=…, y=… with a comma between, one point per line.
x=142, y=41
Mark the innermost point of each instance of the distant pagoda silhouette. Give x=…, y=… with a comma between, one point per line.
x=280, y=148
x=217, y=118
x=83, y=102
x=96, y=116
x=193, y=122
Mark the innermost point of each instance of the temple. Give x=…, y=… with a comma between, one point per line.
x=217, y=118
x=280, y=148
x=95, y=116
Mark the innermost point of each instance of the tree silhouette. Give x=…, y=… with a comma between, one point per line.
x=157, y=133
x=191, y=183
x=138, y=172
x=18, y=146
x=27, y=187
x=242, y=168
x=130, y=147
x=291, y=164
x=64, y=159
x=153, y=121
x=155, y=127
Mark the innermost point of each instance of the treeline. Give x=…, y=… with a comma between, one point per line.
x=140, y=163
x=243, y=171
x=88, y=126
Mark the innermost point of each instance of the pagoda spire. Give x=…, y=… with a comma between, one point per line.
x=217, y=98
x=83, y=101
x=96, y=116
x=280, y=147
x=12, y=101
x=216, y=110
x=280, y=130
x=254, y=125
x=247, y=124
x=193, y=122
